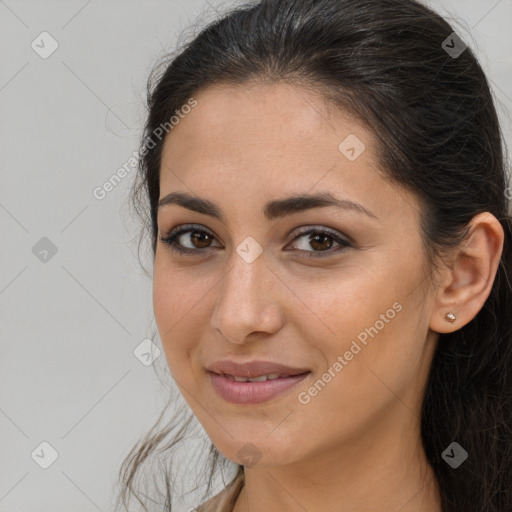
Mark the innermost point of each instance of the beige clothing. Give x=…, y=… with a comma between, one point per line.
x=225, y=500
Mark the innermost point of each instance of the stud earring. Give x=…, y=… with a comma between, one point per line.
x=450, y=317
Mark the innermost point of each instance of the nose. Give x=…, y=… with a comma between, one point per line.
x=247, y=301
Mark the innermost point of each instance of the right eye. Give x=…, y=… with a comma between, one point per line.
x=199, y=239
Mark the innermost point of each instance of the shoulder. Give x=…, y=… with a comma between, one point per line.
x=225, y=500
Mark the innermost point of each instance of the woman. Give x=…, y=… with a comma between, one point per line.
x=329, y=219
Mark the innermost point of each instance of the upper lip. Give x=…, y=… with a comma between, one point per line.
x=253, y=368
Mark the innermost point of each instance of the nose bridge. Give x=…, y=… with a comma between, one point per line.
x=244, y=277
x=244, y=302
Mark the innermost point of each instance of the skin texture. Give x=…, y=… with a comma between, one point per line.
x=356, y=445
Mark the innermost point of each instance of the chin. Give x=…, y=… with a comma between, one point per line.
x=258, y=450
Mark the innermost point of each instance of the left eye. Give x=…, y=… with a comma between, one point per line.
x=322, y=240
x=319, y=239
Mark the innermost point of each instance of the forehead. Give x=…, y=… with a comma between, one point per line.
x=243, y=142
x=262, y=127
x=269, y=113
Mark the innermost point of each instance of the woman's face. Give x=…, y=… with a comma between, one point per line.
x=336, y=291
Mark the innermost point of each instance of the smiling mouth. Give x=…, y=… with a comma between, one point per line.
x=254, y=390
x=260, y=378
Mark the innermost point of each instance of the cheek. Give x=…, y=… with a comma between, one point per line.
x=174, y=295
x=172, y=307
x=181, y=306
x=374, y=356
x=164, y=301
x=336, y=310
x=366, y=318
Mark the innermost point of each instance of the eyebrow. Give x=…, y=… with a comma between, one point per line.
x=272, y=210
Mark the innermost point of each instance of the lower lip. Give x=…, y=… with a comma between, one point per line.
x=252, y=392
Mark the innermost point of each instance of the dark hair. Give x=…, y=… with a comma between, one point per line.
x=438, y=134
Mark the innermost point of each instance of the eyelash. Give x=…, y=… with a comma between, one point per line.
x=173, y=235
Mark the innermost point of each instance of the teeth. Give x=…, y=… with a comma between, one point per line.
x=261, y=378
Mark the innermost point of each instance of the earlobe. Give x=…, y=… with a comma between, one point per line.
x=467, y=282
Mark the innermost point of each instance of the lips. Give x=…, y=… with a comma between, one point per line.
x=253, y=382
x=252, y=369
x=261, y=378
x=252, y=393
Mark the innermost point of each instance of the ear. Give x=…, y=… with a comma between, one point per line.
x=465, y=284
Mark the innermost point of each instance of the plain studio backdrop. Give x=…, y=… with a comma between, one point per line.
x=77, y=387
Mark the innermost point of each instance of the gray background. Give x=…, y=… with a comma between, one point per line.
x=70, y=321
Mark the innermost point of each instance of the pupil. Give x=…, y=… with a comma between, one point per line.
x=199, y=235
x=315, y=239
